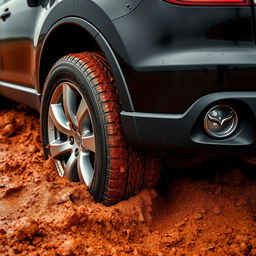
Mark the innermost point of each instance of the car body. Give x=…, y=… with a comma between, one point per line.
x=172, y=61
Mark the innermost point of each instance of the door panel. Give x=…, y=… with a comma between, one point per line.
x=17, y=49
x=2, y=2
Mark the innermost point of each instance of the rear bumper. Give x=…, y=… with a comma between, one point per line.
x=172, y=55
x=178, y=62
x=185, y=133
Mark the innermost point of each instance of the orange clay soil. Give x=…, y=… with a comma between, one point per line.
x=205, y=211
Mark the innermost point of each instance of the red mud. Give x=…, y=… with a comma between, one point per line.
x=43, y=214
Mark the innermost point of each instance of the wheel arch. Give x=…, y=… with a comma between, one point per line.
x=53, y=46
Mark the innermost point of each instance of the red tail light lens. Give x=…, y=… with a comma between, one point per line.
x=210, y=2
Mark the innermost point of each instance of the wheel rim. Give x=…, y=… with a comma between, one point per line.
x=71, y=134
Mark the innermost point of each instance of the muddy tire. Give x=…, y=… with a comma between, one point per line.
x=82, y=131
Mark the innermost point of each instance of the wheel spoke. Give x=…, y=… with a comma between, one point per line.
x=88, y=142
x=59, y=119
x=59, y=148
x=71, y=166
x=85, y=168
x=82, y=112
x=68, y=116
x=69, y=103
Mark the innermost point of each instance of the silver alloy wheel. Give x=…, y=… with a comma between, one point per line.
x=71, y=134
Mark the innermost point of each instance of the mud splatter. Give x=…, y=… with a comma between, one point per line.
x=212, y=213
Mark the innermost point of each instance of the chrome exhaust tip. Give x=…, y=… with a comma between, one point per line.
x=220, y=121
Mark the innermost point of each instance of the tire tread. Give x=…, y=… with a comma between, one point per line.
x=128, y=170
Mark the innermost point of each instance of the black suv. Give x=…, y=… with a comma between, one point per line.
x=114, y=80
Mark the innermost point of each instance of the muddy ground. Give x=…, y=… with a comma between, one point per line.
x=208, y=210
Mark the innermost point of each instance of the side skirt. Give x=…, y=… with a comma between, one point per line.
x=21, y=94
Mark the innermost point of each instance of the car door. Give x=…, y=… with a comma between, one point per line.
x=2, y=18
x=17, y=49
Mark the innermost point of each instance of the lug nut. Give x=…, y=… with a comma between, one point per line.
x=76, y=152
x=72, y=140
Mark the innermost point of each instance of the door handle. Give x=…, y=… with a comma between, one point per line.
x=6, y=14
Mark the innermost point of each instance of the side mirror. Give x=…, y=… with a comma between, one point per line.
x=32, y=3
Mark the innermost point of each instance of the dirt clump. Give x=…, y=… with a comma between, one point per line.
x=210, y=213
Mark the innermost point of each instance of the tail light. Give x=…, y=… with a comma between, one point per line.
x=210, y=2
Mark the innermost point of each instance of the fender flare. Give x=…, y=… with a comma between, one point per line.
x=116, y=70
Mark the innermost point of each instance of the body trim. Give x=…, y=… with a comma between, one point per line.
x=185, y=132
x=21, y=94
x=19, y=88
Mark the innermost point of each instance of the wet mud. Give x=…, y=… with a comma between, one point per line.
x=208, y=210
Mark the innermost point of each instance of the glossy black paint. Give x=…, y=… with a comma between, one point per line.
x=17, y=48
x=174, y=92
x=164, y=57
x=25, y=32
x=183, y=53
x=185, y=133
